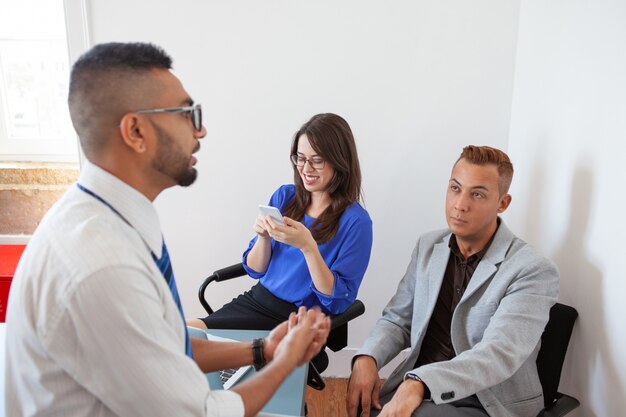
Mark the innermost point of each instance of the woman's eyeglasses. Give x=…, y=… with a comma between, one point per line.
x=316, y=162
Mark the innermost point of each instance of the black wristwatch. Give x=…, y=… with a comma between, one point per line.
x=417, y=378
x=258, y=358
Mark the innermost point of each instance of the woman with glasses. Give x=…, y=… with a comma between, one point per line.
x=319, y=257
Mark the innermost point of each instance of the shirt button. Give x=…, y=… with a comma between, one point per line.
x=458, y=290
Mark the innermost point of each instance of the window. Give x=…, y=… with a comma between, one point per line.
x=34, y=75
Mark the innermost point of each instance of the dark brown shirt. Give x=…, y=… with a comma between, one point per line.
x=437, y=345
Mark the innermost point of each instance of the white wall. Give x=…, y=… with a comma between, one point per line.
x=568, y=130
x=416, y=80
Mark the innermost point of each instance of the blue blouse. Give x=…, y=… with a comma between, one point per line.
x=346, y=255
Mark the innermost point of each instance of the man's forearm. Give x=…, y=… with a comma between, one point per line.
x=257, y=391
x=213, y=356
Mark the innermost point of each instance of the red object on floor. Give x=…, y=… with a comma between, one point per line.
x=9, y=257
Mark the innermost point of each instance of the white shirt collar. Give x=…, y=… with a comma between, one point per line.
x=134, y=207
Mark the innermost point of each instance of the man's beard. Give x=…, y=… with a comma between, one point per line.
x=171, y=160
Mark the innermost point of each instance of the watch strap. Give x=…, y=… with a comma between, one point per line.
x=258, y=358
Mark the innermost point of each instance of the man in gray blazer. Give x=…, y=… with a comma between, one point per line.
x=471, y=307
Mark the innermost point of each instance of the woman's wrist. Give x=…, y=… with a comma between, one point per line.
x=309, y=248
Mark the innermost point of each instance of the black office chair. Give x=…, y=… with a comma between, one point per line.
x=337, y=339
x=554, y=343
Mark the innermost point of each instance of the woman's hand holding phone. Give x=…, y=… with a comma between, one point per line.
x=293, y=233
x=283, y=229
x=260, y=225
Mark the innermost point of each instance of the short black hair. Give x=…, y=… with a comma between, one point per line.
x=117, y=55
x=105, y=83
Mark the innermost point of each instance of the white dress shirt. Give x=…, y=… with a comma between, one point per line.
x=92, y=329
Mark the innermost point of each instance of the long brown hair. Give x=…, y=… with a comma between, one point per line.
x=330, y=136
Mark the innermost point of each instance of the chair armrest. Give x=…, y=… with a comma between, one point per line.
x=561, y=407
x=223, y=274
x=355, y=310
x=338, y=337
x=230, y=272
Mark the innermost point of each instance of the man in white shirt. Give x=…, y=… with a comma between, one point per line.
x=94, y=323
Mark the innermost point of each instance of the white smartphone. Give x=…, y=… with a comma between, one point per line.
x=272, y=212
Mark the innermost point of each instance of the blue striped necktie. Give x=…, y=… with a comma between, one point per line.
x=165, y=266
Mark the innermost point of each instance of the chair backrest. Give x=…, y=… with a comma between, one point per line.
x=554, y=343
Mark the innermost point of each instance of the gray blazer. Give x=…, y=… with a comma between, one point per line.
x=496, y=327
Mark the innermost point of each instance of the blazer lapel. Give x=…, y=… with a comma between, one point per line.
x=488, y=265
x=426, y=297
x=436, y=271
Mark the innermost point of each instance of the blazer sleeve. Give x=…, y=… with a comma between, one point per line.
x=392, y=332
